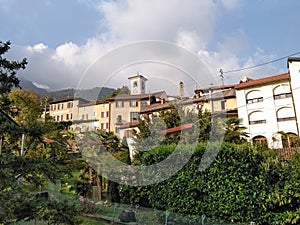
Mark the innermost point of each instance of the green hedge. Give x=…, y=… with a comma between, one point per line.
x=242, y=184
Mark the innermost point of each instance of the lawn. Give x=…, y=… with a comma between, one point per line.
x=87, y=221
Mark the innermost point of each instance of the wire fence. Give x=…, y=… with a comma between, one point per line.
x=133, y=214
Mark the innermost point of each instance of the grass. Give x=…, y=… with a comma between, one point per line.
x=86, y=221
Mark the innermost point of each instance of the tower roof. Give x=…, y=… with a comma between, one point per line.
x=137, y=76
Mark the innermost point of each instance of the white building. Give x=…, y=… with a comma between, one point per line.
x=266, y=107
x=294, y=71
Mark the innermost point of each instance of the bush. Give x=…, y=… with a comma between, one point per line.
x=242, y=184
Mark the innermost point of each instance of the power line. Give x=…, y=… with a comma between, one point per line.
x=261, y=64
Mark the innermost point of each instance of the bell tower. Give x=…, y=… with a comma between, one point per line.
x=137, y=84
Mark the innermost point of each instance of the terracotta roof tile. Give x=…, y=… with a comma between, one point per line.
x=135, y=97
x=228, y=86
x=156, y=107
x=129, y=125
x=262, y=81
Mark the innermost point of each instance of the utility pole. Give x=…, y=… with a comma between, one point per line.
x=211, y=104
x=45, y=107
x=222, y=77
x=22, y=145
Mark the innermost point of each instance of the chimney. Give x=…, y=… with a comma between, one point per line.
x=181, y=90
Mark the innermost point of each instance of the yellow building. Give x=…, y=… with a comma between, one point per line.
x=126, y=108
x=92, y=116
x=218, y=99
x=65, y=109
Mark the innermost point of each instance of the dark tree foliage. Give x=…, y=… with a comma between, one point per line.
x=235, y=133
x=8, y=78
x=23, y=175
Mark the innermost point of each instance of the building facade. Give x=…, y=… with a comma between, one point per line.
x=92, y=116
x=294, y=71
x=126, y=108
x=218, y=99
x=267, y=109
x=65, y=109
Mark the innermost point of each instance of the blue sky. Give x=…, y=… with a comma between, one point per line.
x=63, y=39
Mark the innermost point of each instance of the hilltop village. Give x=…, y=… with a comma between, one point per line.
x=268, y=107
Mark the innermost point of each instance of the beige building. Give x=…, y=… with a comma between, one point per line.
x=92, y=116
x=65, y=109
x=126, y=108
x=218, y=99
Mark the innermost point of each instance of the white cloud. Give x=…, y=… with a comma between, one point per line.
x=38, y=48
x=67, y=53
x=189, y=40
x=190, y=24
x=159, y=20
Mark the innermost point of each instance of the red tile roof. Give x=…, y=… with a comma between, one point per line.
x=228, y=86
x=262, y=81
x=156, y=107
x=129, y=125
x=136, y=97
x=179, y=128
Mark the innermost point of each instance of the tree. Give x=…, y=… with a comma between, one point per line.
x=234, y=132
x=27, y=106
x=8, y=79
x=21, y=175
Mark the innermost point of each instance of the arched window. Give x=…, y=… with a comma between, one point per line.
x=282, y=91
x=285, y=114
x=254, y=96
x=290, y=140
x=257, y=117
x=260, y=140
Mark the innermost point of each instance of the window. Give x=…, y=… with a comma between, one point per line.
x=257, y=122
x=260, y=140
x=119, y=119
x=285, y=114
x=117, y=130
x=254, y=97
x=70, y=104
x=59, y=118
x=134, y=103
x=104, y=114
x=104, y=126
x=128, y=133
x=69, y=116
x=223, y=105
x=134, y=116
x=53, y=107
x=257, y=117
x=282, y=91
x=143, y=104
x=119, y=104
x=282, y=96
x=60, y=106
x=85, y=117
x=285, y=119
x=254, y=100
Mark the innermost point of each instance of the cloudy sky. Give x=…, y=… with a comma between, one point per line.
x=88, y=43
